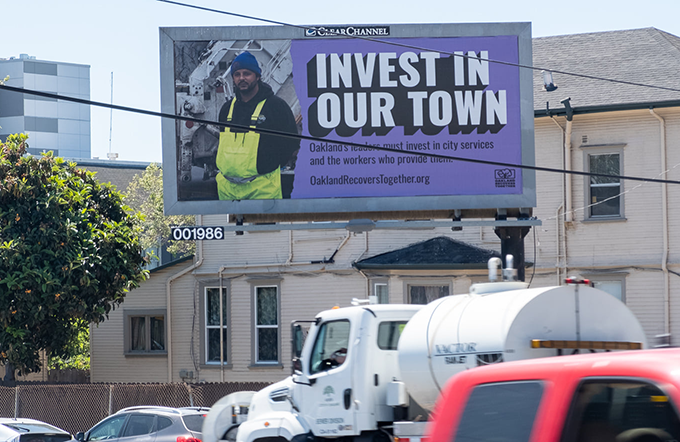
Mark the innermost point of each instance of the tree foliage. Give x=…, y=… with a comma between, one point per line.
x=76, y=354
x=145, y=195
x=69, y=253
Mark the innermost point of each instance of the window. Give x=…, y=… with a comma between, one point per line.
x=194, y=422
x=36, y=67
x=145, y=331
x=622, y=410
x=614, y=288
x=213, y=325
x=330, y=348
x=109, y=429
x=162, y=423
x=381, y=293
x=389, y=333
x=504, y=411
x=604, y=193
x=139, y=424
x=424, y=294
x=614, y=284
x=266, y=324
x=41, y=124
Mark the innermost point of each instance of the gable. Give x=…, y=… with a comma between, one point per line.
x=436, y=253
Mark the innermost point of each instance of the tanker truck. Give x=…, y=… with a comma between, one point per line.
x=370, y=373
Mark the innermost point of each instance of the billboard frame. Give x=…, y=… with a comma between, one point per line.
x=321, y=209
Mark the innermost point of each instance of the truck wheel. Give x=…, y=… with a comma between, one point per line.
x=374, y=436
x=230, y=435
x=381, y=436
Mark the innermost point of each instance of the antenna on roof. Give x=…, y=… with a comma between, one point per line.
x=111, y=156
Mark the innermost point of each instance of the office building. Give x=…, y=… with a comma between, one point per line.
x=57, y=125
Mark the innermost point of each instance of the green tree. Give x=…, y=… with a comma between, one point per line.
x=69, y=253
x=76, y=354
x=145, y=195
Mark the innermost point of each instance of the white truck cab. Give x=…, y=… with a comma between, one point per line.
x=339, y=386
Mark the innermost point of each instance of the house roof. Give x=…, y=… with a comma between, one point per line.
x=648, y=56
x=171, y=263
x=436, y=253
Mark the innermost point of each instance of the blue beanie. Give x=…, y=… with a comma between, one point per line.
x=245, y=60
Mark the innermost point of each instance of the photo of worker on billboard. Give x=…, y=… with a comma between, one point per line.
x=228, y=84
x=249, y=162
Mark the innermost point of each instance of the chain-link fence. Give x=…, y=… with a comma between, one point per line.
x=77, y=407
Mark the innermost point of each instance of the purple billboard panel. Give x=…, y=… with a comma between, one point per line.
x=438, y=96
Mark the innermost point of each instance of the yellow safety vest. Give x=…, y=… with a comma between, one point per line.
x=237, y=161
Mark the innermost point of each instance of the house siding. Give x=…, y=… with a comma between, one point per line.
x=108, y=362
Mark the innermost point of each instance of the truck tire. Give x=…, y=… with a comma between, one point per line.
x=374, y=436
x=230, y=435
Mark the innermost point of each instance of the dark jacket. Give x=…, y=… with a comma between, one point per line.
x=274, y=151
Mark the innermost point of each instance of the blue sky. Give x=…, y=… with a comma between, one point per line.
x=121, y=36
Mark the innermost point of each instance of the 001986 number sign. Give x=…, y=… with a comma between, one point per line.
x=196, y=233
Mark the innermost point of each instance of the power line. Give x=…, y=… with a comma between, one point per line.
x=323, y=140
x=404, y=45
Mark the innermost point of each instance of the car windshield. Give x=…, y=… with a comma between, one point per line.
x=194, y=422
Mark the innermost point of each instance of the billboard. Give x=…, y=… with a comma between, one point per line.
x=347, y=121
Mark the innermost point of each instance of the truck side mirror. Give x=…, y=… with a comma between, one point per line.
x=298, y=340
x=80, y=436
x=297, y=366
x=298, y=334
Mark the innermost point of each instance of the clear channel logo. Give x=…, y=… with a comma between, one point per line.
x=351, y=31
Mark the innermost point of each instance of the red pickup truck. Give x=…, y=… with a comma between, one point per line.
x=629, y=396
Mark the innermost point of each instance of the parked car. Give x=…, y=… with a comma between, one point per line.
x=30, y=430
x=149, y=424
x=629, y=396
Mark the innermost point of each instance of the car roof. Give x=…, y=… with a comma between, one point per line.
x=653, y=364
x=27, y=421
x=179, y=411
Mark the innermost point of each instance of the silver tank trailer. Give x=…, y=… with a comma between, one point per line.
x=488, y=326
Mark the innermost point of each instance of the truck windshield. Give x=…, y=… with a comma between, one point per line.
x=330, y=347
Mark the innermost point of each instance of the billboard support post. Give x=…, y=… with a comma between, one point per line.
x=512, y=243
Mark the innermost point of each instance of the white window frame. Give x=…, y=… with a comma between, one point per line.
x=589, y=151
x=127, y=331
x=257, y=327
x=599, y=278
x=380, y=283
x=207, y=328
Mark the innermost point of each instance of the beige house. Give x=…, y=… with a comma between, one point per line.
x=618, y=233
